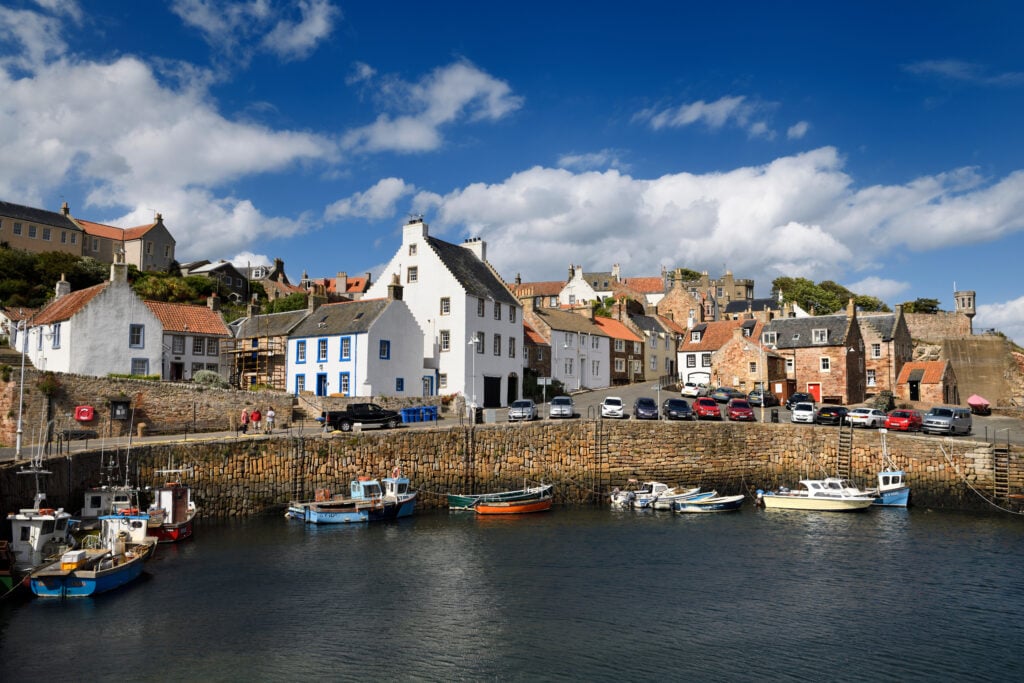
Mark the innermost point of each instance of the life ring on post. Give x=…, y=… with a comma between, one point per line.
x=396, y=472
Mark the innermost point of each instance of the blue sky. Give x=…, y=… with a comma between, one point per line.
x=875, y=144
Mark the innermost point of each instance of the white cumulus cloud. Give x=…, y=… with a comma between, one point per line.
x=1007, y=317
x=798, y=130
x=879, y=287
x=377, y=202
x=735, y=110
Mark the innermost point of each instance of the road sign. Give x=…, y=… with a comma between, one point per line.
x=543, y=381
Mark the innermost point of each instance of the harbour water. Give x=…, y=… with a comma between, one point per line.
x=574, y=594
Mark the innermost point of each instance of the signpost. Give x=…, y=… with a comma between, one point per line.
x=544, y=382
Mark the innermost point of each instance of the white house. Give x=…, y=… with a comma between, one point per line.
x=193, y=339
x=580, y=348
x=458, y=300
x=370, y=347
x=97, y=331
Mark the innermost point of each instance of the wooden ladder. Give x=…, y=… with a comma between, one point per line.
x=844, y=454
x=1001, y=468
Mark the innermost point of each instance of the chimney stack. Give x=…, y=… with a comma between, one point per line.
x=395, y=289
x=63, y=287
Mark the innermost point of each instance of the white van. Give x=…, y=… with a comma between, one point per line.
x=947, y=420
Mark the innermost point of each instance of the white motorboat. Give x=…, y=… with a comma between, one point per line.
x=827, y=495
x=666, y=500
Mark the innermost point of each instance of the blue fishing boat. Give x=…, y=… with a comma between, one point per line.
x=111, y=560
x=893, y=490
x=369, y=500
x=712, y=504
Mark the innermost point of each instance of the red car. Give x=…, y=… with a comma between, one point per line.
x=739, y=409
x=706, y=409
x=903, y=420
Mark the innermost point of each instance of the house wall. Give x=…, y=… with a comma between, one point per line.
x=577, y=290
x=699, y=373
x=47, y=237
x=934, y=327
x=190, y=358
x=397, y=325
x=99, y=343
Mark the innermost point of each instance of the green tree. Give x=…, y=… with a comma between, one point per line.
x=870, y=303
x=292, y=302
x=920, y=305
x=686, y=275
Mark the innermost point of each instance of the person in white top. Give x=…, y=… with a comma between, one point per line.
x=269, y=418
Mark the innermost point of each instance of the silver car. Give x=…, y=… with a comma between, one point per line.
x=524, y=409
x=561, y=406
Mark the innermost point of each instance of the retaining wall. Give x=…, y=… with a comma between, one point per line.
x=585, y=459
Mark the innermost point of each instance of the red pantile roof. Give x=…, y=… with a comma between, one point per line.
x=188, y=318
x=615, y=329
x=533, y=335
x=113, y=233
x=645, y=285
x=932, y=369
x=66, y=306
x=715, y=335
x=548, y=288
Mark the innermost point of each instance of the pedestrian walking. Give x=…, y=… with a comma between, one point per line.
x=270, y=419
x=244, y=421
x=255, y=417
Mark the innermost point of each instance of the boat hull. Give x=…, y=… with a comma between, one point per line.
x=714, y=504
x=362, y=511
x=894, y=498
x=513, y=507
x=783, y=501
x=53, y=582
x=173, y=533
x=468, y=501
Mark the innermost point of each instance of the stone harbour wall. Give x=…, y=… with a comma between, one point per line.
x=584, y=459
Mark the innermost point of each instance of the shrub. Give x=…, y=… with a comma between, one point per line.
x=209, y=378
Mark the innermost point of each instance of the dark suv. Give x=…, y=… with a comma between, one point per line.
x=645, y=408
x=798, y=398
x=677, y=409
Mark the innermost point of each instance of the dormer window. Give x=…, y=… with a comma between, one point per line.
x=819, y=336
x=769, y=338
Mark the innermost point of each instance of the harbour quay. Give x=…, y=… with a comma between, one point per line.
x=584, y=459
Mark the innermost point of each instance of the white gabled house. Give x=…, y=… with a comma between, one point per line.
x=472, y=324
x=97, y=331
x=370, y=347
x=193, y=339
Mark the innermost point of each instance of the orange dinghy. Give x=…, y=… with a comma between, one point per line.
x=513, y=507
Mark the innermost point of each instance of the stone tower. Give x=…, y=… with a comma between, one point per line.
x=963, y=303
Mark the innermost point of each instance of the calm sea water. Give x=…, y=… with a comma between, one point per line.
x=574, y=594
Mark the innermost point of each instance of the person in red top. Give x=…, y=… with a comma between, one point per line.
x=255, y=417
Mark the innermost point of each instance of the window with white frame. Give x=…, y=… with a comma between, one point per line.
x=705, y=360
x=479, y=342
x=445, y=340
x=140, y=366
x=32, y=231
x=399, y=384
x=876, y=350
x=46, y=234
x=769, y=338
x=385, y=349
x=344, y=383
x=789, y=365
x=540, y=353
x=178, y=344
x=496, y=344
x=569, y=339
x=595, y=368
x=871, y=378
x=212, y=347
x=442, y=380
x=637, y=347
x=74, y=238
x=654, y=362
x=595, y=341
x=620, y=345
x=825, y=364
x=321, y=350
x=446, y=305
x=511, y=347
x=497, y=310
x=196, y=367
x=753, y=367
x=300, y=383
x=553, y=302
x=819, y=336
x=668, y=365
x=479, y=307
x=137, y=336
x=198, y=346
x=346, y=348
x=511, y=314
x=583, y=341
x=412, y=274
x=568, y=366
x=652, y=341
x=572, y=299
x=55, y=336
x=16, y=228
x=620, y=365
x=691, y=360
x=300, y=351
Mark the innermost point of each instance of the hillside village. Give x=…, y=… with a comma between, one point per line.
x=441, y=322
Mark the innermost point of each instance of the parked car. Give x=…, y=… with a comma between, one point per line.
x=832, y=415
x=695, y=389
x=706, y=408
x=645, y=408
x=365, y=414
x=561, y=406
x=523, y=409
x=798, y=397
x=802, y=412
x=947, y=420
x=677, y=409
x=757, y=396
x=904, y=420
x=866, y=417
x=611, y=406
x=726, y=394
x=739, y=409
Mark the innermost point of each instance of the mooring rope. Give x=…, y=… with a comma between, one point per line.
x=971, y=486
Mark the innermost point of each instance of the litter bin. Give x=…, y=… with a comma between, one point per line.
x=775, y=414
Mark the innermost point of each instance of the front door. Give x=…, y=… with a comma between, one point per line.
x=814, y=389
x=321, y=384
x=428, y=385
x=177, y=372
x=915, y=391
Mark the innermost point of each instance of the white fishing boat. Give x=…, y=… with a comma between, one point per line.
x=827, y=495
x=669, y=498
x=893, y=490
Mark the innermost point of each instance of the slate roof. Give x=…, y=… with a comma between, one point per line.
x=564, y=321
x=743, y=305
x=474, y=275
x=923, y=371
x=269, y=324
x=188, y=318
x=346, y=317
x=66, y=306
x=884, y=324
x=213, y=267
x=797, y=333
x=33, y=215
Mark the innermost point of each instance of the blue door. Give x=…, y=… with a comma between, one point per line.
x=321, y=384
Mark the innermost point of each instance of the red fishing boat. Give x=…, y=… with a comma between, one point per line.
x=174, y=501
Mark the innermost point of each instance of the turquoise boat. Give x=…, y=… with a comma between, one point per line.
x=369, y=500
x=468, y=501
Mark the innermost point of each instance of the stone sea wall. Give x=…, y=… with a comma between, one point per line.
x=584, y=459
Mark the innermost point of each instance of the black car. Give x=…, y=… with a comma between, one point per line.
x=645, y=408
x=755, y=397
x=831, y=415
x=798, y=398
x=677, y=409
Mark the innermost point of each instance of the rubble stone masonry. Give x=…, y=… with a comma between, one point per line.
x=585, y=459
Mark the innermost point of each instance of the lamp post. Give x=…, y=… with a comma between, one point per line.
x=21, y=390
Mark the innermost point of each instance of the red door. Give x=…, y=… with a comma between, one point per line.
x=815, y=391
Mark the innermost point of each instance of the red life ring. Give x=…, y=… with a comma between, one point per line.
x=396, y=473
x=47, y=511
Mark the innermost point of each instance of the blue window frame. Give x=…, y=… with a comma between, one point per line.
x=399, y=384
x=321, y=350
x=344, y=384
x=55, y=331
x=300, y=351
x=300, y=383
x=137, y=336
x=385, y=349
x=346, y=348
